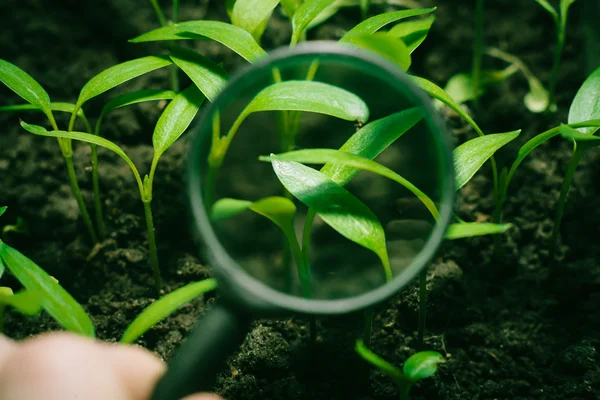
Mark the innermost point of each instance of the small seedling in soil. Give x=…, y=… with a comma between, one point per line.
x=419, y=366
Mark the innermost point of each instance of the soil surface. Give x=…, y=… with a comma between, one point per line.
x=518, y=323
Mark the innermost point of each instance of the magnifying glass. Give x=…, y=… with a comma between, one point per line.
x=320, y=182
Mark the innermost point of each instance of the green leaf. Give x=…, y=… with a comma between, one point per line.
x=229, y=35
x=438, y=93
x=586, y=104
x=571, y=133
x=387, y=368
x=175, y=119
x=55, y=300
x=164, y=307
x=209, y=77
x=309, y=96
x=290, y=7
x=471, y=155
x=414, y=32
x=26, y=302
x=83, y=137
x=226, y=208
x=118, y=74
x=348, y=160
x=2, y=267
x=469, y=229
x=279, y=210
x=460, y=86
x=251, y=14
x=25, y=86
x=548, y=7
x=422, y=365
x=336, y=206
x=138, y=96
x=564, y=11
x=372, y=139
x=385, y=45
x=304, y=14
x=3, y=210
x=373, y=24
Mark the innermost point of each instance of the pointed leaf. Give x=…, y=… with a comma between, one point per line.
x=229, y=35
x=176, y=118
x=251, y=14
x=337, y=207
x=414, y=32
x=438, y=93
x=3, y=210
x=55, y=300
x=373, y=24
x=209, y=77
x=164, y=307
x=26, y=302
x=25, y=86
x=586, y=104
x=471, y=155
x=470, y=229
x=348, y=160
x=118, y=74
x=387, y=368
x=139, y=96
x=304, y=14
x=385, y=45
x=422, y=365
x=279, y=210
x=548, y=7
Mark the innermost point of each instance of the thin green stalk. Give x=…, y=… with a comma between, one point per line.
x=304, y=274
x=159, y=14
x=175, y=16
x=422, y=307
x=403, y=391
x=578, y=152
x=368, y=327
x=75, y=188
x=560, y=44
x=477, y=50
x=152, y=245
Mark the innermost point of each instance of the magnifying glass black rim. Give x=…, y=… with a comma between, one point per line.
x=229, y=271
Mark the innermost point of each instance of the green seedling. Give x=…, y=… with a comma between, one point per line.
x=560, y=20
x=419, y=366
x=40, y=290
x=164, y=307
x=172, y=123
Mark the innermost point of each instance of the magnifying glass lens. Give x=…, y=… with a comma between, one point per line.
x=323, y=177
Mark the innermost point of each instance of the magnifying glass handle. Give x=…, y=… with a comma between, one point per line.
x=195, y=366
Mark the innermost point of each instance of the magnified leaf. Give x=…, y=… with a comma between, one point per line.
x=229, y=35
x=422, y=365
x=341, y=158
x=25, y=86
x=164, y=307
x=251, y=14
x=387, y=368
x=373, y=24
x=385, y=45
x=279, y=210
x=336, y=206
x=438, y=93
x=209, y=77
x=118, y=74
x=414, y=32
x=304, y=14
x=586, y=104
x=471, y=155
x=469, y=229
x=25, y=301
x=55, y=300
x=176, y=118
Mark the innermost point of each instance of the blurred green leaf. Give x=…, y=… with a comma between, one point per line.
x=290, y=7
x=413, y=32
x=460, y=86
x=3, y=210
x=422, y=365
x=337, y=207
x=279, y=210
x=373, y=24
x=226, y=208
x=55, y=300
x=229, y=35
x=25, y=86
x=209, y=77
x=470, y=229
x=118, y=74
x=175, y=119
x=250, y=15
x=586, y=104
x=304, y=14
x=385, y=45
x=26, y=302
x=164, y=307
x=471, y=155
x=348, y=160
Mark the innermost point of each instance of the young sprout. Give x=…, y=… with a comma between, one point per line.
x=419, y=366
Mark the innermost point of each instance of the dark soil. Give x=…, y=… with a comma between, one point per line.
x=516, y=324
